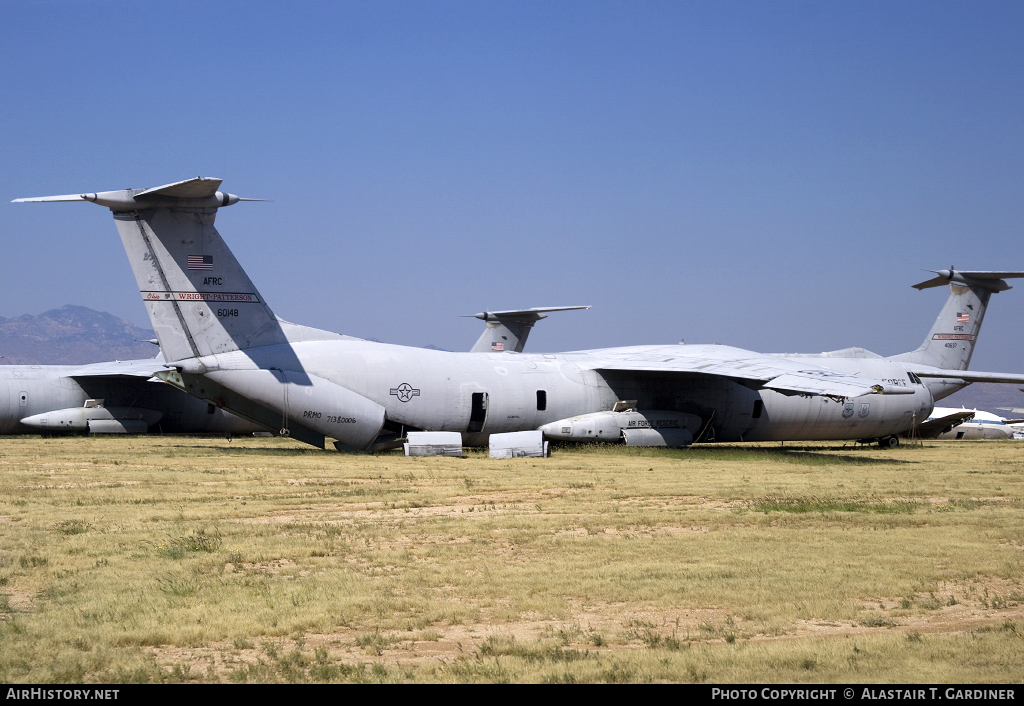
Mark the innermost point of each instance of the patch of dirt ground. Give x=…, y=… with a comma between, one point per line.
x=608, y=629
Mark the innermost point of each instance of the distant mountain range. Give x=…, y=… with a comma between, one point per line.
x=72, y=335
x=986, y=396
x=75, y=335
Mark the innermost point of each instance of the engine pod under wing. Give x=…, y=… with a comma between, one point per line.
x=650, y=427
x=657, y=437
x=96, y=419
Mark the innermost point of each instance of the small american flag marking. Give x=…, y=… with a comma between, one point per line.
x=497, y=346
x=200, y=262
x=963, y=317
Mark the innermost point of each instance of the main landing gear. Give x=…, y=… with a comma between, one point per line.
x=889, y=442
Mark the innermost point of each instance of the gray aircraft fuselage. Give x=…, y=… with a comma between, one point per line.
x=434, y=390
x=29, y=390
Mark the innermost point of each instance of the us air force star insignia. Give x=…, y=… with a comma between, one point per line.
x=405, y=392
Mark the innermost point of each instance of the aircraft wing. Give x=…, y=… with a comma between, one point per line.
x=779, y=374
x=971, y=376
x=808, y=383
x=120, y=368
x=933, y=428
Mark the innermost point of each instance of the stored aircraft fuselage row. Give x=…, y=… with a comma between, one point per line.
x=120, y=397
x=224, y=346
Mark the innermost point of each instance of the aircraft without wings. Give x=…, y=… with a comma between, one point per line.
x=225, y=346
x=116, y=397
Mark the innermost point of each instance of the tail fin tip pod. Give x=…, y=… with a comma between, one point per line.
x=200, y=300
x=950, y=342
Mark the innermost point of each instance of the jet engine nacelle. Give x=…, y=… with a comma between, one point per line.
x=95, y=419
x=312, y=401
x=635, y=428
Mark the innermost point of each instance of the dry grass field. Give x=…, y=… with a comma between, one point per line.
x=261, y=560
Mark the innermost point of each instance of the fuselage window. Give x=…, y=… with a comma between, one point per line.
x=758, y=408
x=542, y=400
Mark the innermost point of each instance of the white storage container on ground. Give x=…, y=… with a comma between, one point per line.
x=434, y=443
x=519, y=444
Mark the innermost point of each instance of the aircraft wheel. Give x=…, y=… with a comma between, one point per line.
x=889, y=442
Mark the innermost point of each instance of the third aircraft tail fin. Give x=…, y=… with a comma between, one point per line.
x=508, y=330
x=950, y=343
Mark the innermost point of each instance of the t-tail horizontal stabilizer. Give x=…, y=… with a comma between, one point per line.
x=992, y=281
x=508, y=330
x=201, y=192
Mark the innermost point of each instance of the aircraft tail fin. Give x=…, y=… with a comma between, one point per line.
x=200, y=300
x=950, y=343
x=508, y=330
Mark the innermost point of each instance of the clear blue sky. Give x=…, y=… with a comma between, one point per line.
x=771, y=175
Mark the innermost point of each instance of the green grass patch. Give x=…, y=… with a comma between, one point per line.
x=70, y=527
x=823, y=505
x=199, y=541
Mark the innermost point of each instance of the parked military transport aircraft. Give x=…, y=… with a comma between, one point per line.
x=973, y=424
x=940, y=422
x=105, y=398
x=1018, y=423
x=226, y=347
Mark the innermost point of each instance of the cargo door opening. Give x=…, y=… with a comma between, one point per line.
x=478, y=414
